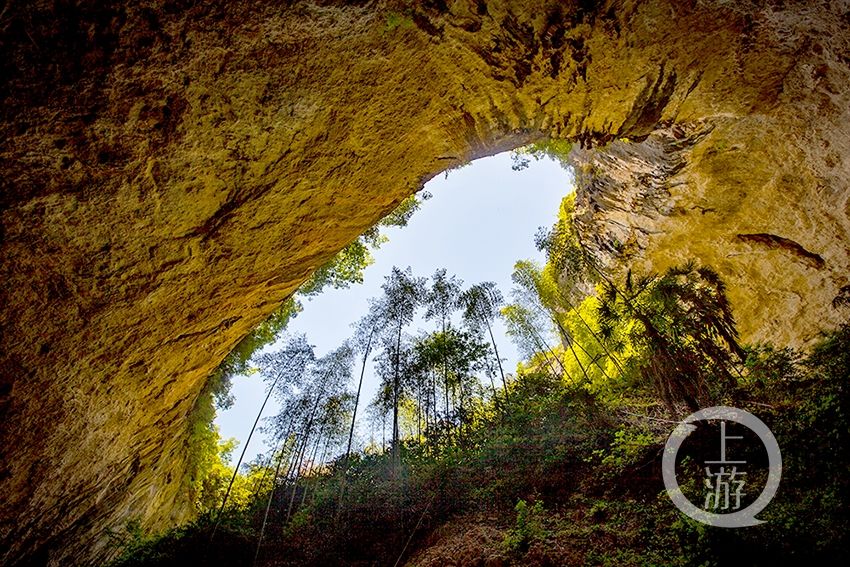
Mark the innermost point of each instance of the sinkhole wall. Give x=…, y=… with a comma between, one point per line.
x=172, y=170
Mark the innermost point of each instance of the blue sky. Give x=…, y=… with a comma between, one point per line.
x=480, y=220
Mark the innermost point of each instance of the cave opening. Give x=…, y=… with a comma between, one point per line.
x=475, y=221
x=170, y=172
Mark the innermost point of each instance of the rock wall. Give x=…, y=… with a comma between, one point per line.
x=783, y=253
x=172, y=170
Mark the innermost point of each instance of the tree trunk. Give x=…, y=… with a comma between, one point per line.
x=353, y=421
x=445, y=369
x=268, y=507
x=242, y=456
x=311, y=466
x=498, y=360
x=396, y=456
x=304, y=444
x=596, y=336
x=569, y=341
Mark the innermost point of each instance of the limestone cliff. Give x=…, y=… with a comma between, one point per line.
x=661, y=202
x=172, y=170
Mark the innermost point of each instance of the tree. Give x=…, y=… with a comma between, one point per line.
x=394, y=366
x=481, y=304
x=327, y=396
x=365, y=332
x=557, y=150
x=402, y=295
x=402, y=214
x=344, y=269
x=286, y=368
x=442, y=298
x=524, y=326
x=532, y=291
x=459, y=355
x=282, y=369
x=567, y=278
x=441, y=302
x=327, y=378
x=683, y=322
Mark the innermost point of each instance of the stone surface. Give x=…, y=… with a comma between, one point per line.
x=684, y=194
x=171, y=171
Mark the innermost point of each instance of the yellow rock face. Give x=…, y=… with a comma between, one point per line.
x=171, y=174
x=686, y=193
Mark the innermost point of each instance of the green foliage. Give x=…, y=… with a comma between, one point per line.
x=568, y=266
x=682, y=324
x=449, y=362
x=213, y=483
x=214, y=475
x=186, y=545
x=480, y=304
x=628, y=448
x=460, y=352
x=132, y=540
x=558, y=150
x=530, y=527
x=203, y=449
x=810, y=417
x=557, y=443
x=673, y=333
x=401, y=215
x=397, y=21
x=443, y=296
x=344, y=269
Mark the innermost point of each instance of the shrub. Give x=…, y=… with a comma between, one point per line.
x=530, y=527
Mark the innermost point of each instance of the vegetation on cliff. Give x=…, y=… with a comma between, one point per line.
x=557, y=464
x=561, y=475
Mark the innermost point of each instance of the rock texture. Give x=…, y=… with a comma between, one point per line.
x=685, y=193
x=172, y=170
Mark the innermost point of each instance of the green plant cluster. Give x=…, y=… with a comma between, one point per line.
x=555, y=149
x=596, y=469
x=530, y=527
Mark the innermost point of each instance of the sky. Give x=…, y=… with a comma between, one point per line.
x=480, y=220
